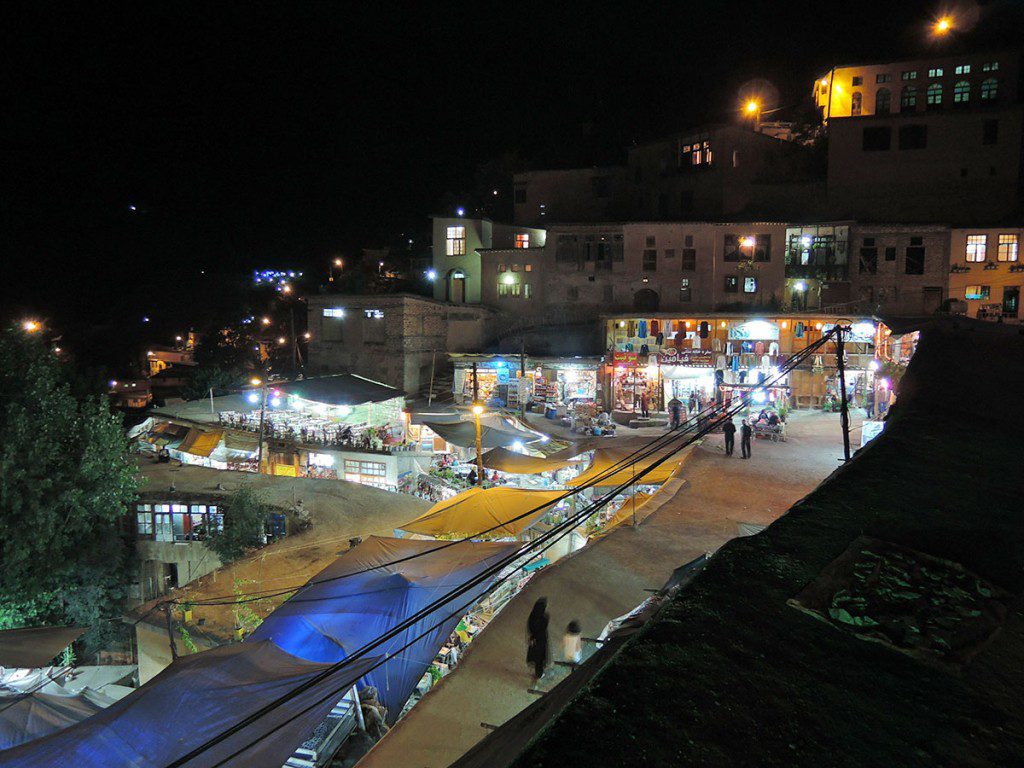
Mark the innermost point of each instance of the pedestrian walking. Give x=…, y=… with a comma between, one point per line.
x=572, y=643
x=675, y=413
x=746, y=432
x=729, y=430
x=869, y=403
x=645, y=405
x=537, y=638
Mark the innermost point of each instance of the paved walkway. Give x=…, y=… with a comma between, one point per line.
x=608, y=579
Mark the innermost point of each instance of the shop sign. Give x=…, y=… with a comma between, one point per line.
x=863, y=332
x=503, y=375
x=625, y=358
x=754, y=330
x=700, y=358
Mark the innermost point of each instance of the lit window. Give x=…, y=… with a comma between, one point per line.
x=989, y=89
x=334, y=312
x=976, y=247
x=991, y=66
x=857, y=80
x=961, y=92
x=883, y=78
x=855, y=104
x=522, y=241
x=502, y=289
x=908, y=75
x=908, y=98
x=731, y=284
x=515, y=267
x=749, y=284
x=963, y=69
x=684, y=289
x=455, y=244
x=527, y=267
x=526, y=290
x=883, y=101
x=937, y=72
x=934, y=95
x=977, y=292
x=1008, y=247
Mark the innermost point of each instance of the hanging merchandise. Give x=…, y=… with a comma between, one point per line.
x=660, y=339
x=696, y=342
x=716, y=344
x=759, y=348
x=773, y=348
x=655, y=328
x=642, y=332
x=631, y=329
x=720, y=361
x=766, y=362
x=704, y=330
x=761, y=376
x=680, y=340
x=668, y=327
x=735, y=362
x=644, y=349
x=798, y=330
x=747, y=347
x=728, y=348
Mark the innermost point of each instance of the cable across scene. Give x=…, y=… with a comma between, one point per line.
x=555, y=533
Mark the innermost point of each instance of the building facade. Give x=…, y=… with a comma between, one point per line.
x=572, y=195
x=391, y=338
x=986, y=272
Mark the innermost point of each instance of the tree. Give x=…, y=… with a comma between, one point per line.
x=66, y=479
x=245, y=516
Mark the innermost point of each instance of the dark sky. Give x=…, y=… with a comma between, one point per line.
x=262, y=134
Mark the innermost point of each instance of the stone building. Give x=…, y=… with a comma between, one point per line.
x=391, y=338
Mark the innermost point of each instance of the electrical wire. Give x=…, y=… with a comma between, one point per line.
x=542, y=542
x=640, y=453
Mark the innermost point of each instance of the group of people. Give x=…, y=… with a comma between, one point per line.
x=537, y=654
x=746, y=435
x=309, y=430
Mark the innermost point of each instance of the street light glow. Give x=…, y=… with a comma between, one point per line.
x=265, y=321
x=752, y=107
x=255, y=381
x=431, y=274
x=477, y=410
x=943, y=25
x=281, y=340
x=30, y=326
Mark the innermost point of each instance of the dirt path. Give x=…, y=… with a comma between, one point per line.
x=608, y=579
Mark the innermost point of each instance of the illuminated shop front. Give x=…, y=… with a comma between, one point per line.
x=721, y=355
x=513, y=382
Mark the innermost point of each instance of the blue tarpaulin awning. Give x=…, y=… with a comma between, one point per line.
x=330, y=618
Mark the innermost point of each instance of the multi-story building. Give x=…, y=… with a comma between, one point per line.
x=900, y=269
x=457, y=244
x=571, y=195
x=986, y=272
x=925, y=140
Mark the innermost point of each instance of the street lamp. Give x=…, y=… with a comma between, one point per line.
x=753, y=109
x=256, y=382
x=943, y=26
x=31, y=326
x=477, y=410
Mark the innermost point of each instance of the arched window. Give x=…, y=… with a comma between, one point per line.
x=883, y=101
x=962, y=92
x=855, y=102
x=908, y=98
x=934, y=95
x=989, y=89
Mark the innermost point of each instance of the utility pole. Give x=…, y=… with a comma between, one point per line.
x=430, y=392
x=476, y=386
x=522, y=375
x=477, y=410
x=844, y=410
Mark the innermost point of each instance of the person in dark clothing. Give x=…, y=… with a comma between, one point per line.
x=645, y=411
x=745, y=434
x=471, y=477
x=729, y=430
x=869, y=403
x=537, y=638
x=675, y=413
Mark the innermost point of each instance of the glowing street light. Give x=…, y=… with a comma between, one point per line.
x=31, y=326
x=286, y=288
x=255, y=381
x=751, y=107
x=431, y=275
x=281, y=340
x=265, y=321
x=338, y=262
x=307, y=335
x=943, y=26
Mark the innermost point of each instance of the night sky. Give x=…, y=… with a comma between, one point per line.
x=249, y=134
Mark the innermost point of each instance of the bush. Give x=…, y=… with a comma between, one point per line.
x=245, y=516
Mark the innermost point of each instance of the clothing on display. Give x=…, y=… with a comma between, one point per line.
x=728, y=348
x=642, y=333
x=655, y=328
x=759, y=348
x=716, y=344
x=735, y=362
x=660, y=339
x=773, y=348
x=696, y=342
x=720, y=361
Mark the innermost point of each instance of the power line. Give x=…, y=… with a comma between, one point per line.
x=557, y=532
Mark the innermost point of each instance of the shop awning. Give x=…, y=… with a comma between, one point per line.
x=631, y=509
x=243, y=442
x=509, y=461
x=165, y=433
x=342, y=389
x=463, y=433
x=32, y=647
x=360, y=597
x=478, y=509
x=200, y=443
x=194, y=700
x=27, y=717
x=607, y=458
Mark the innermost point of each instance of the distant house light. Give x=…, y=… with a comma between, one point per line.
x=334, y=312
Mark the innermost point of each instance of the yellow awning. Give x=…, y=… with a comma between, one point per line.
x=479, y=509
x=632, y=508
x=605, y=459
x=201, y=443
x=520, y=464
